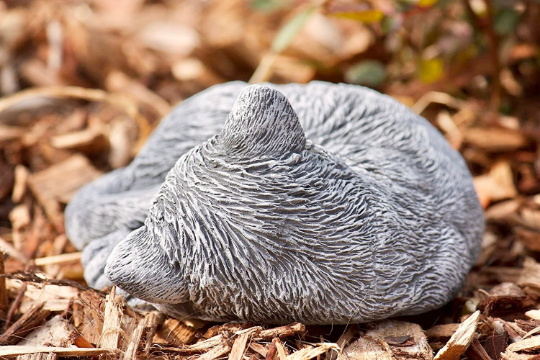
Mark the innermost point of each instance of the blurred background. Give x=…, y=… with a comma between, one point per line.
x=84, y=82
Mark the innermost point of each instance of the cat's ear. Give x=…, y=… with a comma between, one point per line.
x=262, y=122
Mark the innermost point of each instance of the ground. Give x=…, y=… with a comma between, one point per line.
x=84, y=82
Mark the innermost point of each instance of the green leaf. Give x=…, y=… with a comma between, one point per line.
x=431, y=70
x=365, y=16
x=367, y=72
x=269, y=6
x=289, y=31
x=506, y=22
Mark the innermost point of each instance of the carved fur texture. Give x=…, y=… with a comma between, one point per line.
x=317, y=203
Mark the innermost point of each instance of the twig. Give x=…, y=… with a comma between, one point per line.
x=33, y=278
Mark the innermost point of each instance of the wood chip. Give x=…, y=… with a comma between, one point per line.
x=532, y=343
x=496, y=344
x=228, y=329
x=460, y=341
x=505, y=298
x=280, y=350
x=152, y=321
x=530, y=274
x=88, y=316
x=495, y=139
x=342, y=342
x=531, y=239
x=55, y=332
x=130, y=343
x=9, y=133
x=121, y=150
x=175, y=333
x=112, y=330
x=239, y=346
x=53, y=305
x=89, y=138
x=497, y=185
x=259, y=349
x=366, y=348
x=207, y=344
x=26, y=323
x=7, y=248
x=442, y=331
x=21, y=181
x=533, y=314
x=503, y=210
x=477, y=352
x=509, y=355
x=59, y=182
x=119, y=82
x=306, y=353
x=390, y=339
x=134, y=342
x=20, y=221
x=216, y=352
x=272, y=351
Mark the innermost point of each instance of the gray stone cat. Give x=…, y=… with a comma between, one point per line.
x=317, y=203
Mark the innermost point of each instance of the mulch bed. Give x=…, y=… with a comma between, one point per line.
x=84, y=84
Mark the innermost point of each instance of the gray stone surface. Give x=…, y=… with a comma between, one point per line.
x=317, y=203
